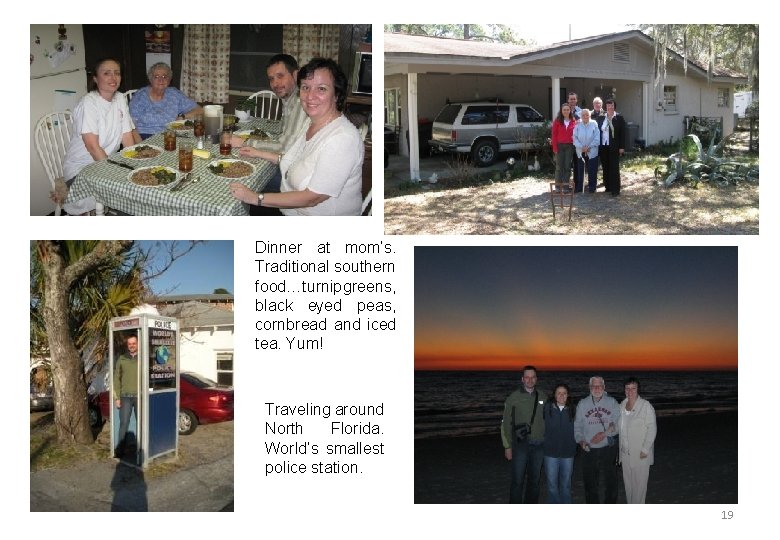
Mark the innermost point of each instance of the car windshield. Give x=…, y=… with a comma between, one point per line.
x=198, y=380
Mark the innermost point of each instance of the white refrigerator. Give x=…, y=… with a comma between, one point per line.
x=57, y=82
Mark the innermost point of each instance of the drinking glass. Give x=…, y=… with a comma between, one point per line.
x=170, y=139
x=185, y=156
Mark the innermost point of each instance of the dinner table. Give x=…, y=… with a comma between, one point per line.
x=203, y=193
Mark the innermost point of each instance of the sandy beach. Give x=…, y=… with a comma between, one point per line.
x=695, y=462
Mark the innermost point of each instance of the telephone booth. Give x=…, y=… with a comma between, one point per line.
x=144, y=387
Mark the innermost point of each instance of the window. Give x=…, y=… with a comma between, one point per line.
x=251, y=46
x=393, y=107
x=670, y=98
x=723, y=97
x=486, y=114
x=225, y=368
x=527, y=114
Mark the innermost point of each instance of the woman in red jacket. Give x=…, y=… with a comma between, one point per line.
x=562, y=144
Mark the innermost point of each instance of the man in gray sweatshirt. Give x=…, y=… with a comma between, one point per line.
x=595, y=430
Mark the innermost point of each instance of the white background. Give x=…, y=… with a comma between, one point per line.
x=379, y=503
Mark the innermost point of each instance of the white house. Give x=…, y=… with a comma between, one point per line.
x=423, y=73
x=205, y=338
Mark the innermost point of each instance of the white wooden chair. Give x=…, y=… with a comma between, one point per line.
x=52, y=136
x=129, y=95
x=267, y=105
x=367, y=208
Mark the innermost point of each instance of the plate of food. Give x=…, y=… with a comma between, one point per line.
x=158, y=176
x=231, y=168
x=141, y=151
x=254, y=134
x=182, y=127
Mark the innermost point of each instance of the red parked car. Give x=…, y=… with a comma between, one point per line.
x=201, y=401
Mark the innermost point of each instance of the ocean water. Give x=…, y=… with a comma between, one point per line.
x=466, y=403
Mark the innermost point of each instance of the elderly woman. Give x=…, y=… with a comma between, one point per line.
x=586, y=145
x=322, y=169
x=155, y=106
x=101, y=122
x=637, y=436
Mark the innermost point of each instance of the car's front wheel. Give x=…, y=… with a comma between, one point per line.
x=484, y=153
x=187, y=422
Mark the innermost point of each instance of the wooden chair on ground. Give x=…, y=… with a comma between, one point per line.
x=562, y=194
x=267, y=105
x=52, y=136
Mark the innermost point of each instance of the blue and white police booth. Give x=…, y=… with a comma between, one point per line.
x=144, y=387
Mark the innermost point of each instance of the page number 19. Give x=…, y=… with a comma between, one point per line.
x=727, y=514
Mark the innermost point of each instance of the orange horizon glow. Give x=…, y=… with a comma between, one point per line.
x=581, y=363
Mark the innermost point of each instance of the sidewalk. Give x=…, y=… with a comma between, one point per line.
x=106, y=486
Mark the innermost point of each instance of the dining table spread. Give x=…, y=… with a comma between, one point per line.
x=202, y=194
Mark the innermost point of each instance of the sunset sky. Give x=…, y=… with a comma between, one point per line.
x=575, y=307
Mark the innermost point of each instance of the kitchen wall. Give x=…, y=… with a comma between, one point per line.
x=45, y=81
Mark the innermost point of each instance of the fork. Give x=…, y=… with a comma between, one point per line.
x=183, y=181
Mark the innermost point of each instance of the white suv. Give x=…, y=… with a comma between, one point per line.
x=483, y=129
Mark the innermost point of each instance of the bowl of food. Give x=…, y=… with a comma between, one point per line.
x=141, y=151
x=231, y=168
x=157, y=176
x=182, y=127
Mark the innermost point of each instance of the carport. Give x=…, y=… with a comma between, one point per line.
x=423, y=73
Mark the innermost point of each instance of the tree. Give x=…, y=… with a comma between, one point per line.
x=221, y=291
x=76, y=287
x=729, y=45
x=491, y=32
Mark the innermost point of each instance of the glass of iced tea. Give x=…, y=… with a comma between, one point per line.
x=185, y=157
x=198, y=127
x=170, y=139
x=224, y=142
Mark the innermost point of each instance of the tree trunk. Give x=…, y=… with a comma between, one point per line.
x=70, y=391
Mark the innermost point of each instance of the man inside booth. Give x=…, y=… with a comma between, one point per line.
x=126, y=393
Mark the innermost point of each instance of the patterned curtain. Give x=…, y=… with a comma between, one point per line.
x=205, y=71
x=306, y=41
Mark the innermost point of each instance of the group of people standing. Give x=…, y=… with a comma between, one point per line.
x=538, y=432
x=582, y=138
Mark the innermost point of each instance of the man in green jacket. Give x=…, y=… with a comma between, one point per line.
x=126, y=391
x=522, y=432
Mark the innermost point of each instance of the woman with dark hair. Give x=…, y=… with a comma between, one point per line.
x=637, y=438
x=612, y=146
x=155, y=106
x=322, y=169
x=563, y=144
x=559, y=444
x=101, y=122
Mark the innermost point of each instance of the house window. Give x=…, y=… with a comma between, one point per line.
x=670, y=98
x=225, y=368
x=251, y=46
x=723, y=97
x=393, y=107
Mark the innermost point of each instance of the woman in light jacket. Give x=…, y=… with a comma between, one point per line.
x=586, y=145
x=637, y=437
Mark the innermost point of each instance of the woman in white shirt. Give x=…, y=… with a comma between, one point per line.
x=637, y=439
x=322, y=169
x=101, y=122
